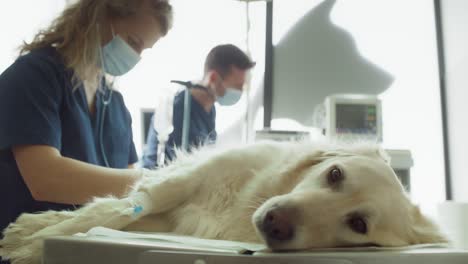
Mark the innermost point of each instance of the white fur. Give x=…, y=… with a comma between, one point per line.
x=225, y=193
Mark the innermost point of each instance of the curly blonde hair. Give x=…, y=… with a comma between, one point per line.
x=76, y=36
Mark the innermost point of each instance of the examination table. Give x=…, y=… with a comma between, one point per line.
x=102, y=245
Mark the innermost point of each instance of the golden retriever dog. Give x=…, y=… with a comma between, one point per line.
x=290, y=196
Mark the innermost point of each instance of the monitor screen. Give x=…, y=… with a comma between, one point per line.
x=356, y=119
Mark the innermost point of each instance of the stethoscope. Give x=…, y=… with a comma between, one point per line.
x=106, y=100
x=187, y=109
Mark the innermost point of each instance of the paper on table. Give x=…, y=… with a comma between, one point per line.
x=178, y=239
x=240, y=247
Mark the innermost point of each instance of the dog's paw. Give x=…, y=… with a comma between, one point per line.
x=28, y=224
x=24, y=253
x=16, y=235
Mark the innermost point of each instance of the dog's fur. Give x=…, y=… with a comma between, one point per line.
x=281, y=194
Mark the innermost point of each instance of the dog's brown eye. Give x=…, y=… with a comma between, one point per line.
x=358, y=225
x=335, y=176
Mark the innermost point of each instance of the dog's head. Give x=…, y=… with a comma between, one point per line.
x=343, y=198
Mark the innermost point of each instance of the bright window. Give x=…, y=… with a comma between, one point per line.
x=396, y=37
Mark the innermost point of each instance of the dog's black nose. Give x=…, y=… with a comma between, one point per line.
x=277, y=225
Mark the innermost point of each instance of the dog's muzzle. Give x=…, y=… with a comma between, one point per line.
x=276, y=226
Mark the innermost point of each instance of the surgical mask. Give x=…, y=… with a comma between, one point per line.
x=230, y=97
x=118, y=57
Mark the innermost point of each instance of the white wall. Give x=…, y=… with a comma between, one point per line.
x=455, y=27
x=20, y=20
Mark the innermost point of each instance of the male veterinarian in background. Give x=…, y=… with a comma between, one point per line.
x=226, y=67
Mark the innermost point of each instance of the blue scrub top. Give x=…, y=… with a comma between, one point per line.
x=202, y=130
x=39, y=106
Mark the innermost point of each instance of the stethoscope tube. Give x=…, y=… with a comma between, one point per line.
x=187, y=110
x=105, y=103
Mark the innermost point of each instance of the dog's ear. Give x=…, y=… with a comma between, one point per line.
x=381, y=153
x=373, y=151
x=423, y=230
x=296, y=167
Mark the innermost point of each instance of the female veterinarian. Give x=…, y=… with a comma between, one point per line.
x=65, y=134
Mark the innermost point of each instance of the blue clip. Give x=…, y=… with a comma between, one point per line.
x=137, y=209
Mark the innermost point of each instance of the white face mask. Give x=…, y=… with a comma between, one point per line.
x=118, y=57
x=230, y=97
